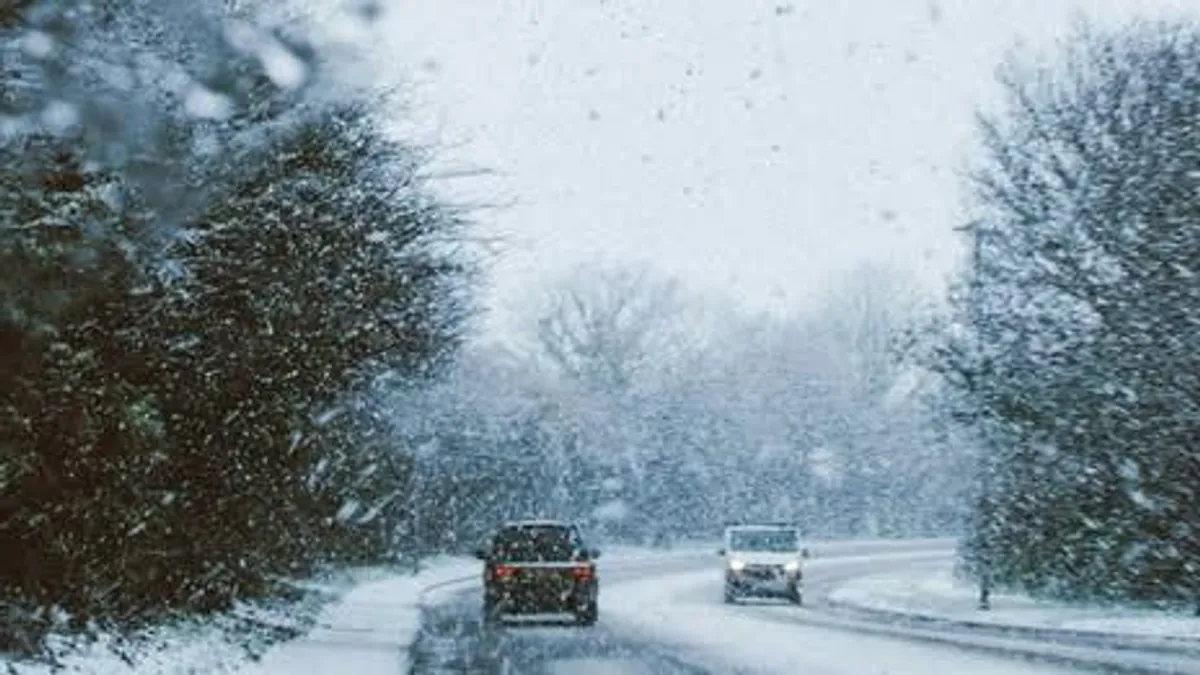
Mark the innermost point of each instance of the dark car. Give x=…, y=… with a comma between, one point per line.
x=538, y=567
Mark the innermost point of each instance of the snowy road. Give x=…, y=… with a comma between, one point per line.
x=667, y=617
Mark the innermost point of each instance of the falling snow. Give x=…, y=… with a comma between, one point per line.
x=260, y=328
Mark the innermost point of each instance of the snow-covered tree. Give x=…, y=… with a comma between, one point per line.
x=613, y=326
x=1069, y=350
x=209, y=268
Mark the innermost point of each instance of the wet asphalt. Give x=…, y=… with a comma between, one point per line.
x=454, y=639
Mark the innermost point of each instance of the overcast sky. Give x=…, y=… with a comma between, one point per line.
x=756, y=147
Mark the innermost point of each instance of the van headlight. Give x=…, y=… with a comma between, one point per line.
x=736, y=565
x=792, y=566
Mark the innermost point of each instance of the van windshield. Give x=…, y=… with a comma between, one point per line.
x=776, y=541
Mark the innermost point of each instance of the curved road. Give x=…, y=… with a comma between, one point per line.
x=665, y=615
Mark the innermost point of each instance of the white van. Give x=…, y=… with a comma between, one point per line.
x=763, y=560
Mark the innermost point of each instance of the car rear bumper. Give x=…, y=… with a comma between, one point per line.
x=535, y=595
x=537, y=601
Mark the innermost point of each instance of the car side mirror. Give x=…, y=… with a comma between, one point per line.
x=805, y=554
x=720, y=551
x=481, y=554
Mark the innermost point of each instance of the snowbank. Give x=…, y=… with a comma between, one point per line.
x=219, y=644
x=369, y=631
x=932, y=591
x=365, y=631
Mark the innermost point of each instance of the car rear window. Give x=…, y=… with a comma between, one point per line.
x=534, y=544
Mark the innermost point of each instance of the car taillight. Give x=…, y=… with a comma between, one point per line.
x=582, y=572
x=505, y=572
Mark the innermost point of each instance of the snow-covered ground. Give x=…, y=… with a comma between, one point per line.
x=669, y=597
x=628, y=552
x=933, y=591
x=371, y=623
x=598, y=667
x=839, y=547
x=366, y=631
x=685, y=611
x=369, y=631
x=213, y=644
x=177, y=648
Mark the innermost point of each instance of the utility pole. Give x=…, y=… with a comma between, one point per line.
x=975, y=317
